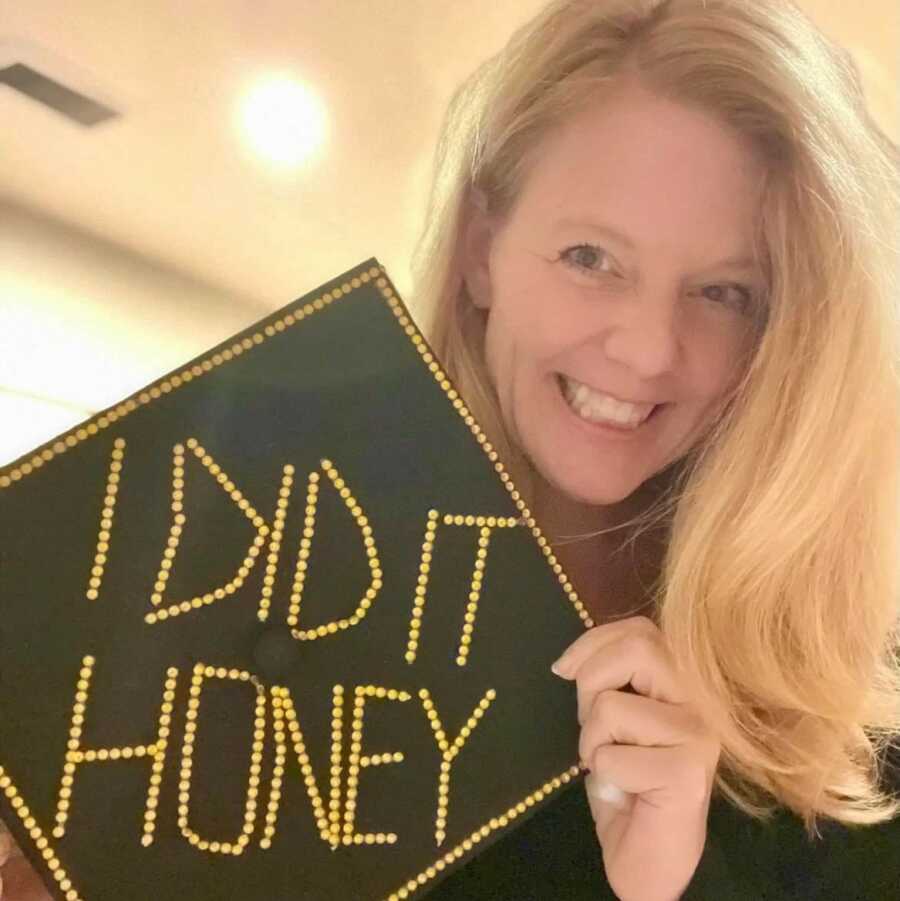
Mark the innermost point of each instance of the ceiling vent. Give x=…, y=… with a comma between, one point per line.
x=54, y=94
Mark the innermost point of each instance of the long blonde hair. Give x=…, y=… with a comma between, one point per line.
x=779, y=589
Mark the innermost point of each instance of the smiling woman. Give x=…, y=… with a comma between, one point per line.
x=580, y=356
x=655, y=264
x=658, y=265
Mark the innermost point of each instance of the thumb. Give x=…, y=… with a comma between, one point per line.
x=605, y=791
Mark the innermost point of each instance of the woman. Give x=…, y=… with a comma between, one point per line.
x=657, y=266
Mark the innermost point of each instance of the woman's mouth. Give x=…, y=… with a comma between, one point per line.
x=596, y=407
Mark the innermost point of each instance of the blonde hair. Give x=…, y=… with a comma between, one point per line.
x=779, y=589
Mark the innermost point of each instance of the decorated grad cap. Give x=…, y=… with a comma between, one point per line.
x=278, y=625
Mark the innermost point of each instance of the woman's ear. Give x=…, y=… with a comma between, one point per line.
x=477, y=233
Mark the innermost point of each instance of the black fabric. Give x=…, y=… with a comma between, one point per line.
x=553, y=855
x=556, y=855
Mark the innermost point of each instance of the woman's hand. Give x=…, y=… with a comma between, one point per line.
x=18, y=879
x=652, y=762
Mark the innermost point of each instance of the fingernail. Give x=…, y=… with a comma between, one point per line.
x=560, y=667
x=601, y=790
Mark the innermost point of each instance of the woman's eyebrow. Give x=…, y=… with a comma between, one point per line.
x=735, y=261
x=611, y=233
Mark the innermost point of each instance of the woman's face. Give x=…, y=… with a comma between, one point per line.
x=620, y=291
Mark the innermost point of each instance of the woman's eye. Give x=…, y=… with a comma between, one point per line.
x=729, y=294
x=587, y=257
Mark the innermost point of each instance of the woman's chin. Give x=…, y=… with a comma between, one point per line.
x=591, y=492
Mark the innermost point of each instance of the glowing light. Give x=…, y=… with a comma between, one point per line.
x=283, y=121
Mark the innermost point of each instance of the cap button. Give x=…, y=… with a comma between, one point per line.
x=276, y=653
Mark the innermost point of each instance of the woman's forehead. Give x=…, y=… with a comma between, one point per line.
x=642, y=169
x=645, y=136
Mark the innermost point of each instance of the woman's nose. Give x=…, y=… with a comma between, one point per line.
x=644, y=335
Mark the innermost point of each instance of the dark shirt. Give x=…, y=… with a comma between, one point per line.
x=555, y=855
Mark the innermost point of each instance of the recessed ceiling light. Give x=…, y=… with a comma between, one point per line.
x=283, y=121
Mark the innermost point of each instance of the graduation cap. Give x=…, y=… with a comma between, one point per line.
x=279, y=625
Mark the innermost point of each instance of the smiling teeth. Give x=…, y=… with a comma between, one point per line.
x=595, y=406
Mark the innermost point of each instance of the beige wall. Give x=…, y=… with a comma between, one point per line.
x=870, y=30
x=85, y=322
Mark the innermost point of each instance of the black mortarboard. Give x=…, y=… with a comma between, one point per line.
x=278, y=626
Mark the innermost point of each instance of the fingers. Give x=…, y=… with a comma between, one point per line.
x=663, y=777
x=22, y=883
x=604, y=791
x=641, y=634
x=616, y=717
x=6, y=845
x=18, y=881
x=6, y=850
x=592, y=640
x=614, y=655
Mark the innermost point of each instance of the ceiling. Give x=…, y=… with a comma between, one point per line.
x=169, y=179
